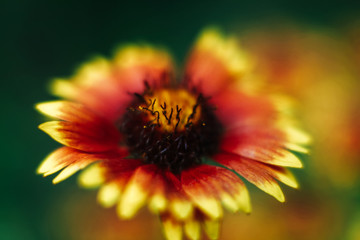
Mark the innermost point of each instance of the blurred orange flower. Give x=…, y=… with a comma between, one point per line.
x=321, y=69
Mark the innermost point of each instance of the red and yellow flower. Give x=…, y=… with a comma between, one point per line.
x=178, y=146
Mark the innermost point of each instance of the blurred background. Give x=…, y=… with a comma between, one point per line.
x=307, y=49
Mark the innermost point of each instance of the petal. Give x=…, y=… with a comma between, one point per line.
x=236, y=109
x=229, y=202
x=92, y=176
x=296, y=148
x=297, y=136
x=192, y=229
x=214, y=63
x=179, y=206
x=157, y=203
x=104, y=86
x=236, y=197
x=242, y=199
x=70, y=159
x=208, y=205
x=95, y=86
x=117, y=165
x=206, y=184
x=255, y=120
x=261, y=144
x=284, y=176
x=219, y=182
x=109, y=194
x=82, y=127
x=211, y=228
x=280, y=173
x=136, y=191
x=71, y=169
x=158, y=200
x=57, y=160
x=172, y=229
x=84, y=137
x=118, y=173
x=65, y=89
x=93, y=72
x=133, y=198
x=89, y=76
x=274, y=155
x=68, y=111
x=181, y=209
x=107, y=98
x=136, y=64
x=254, y=172
x=237, y=201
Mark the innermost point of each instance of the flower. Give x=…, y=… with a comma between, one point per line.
x=179, y=147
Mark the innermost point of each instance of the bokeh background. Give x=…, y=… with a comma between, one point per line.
x=308, y=49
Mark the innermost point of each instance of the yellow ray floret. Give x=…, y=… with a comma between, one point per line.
x=272, y=188
x=52, y=128
x=92, y=177
x=229, y=202
x=226, y=49
x=109, y=194
x=192, y=229
x=172, y=230
x=181, y=209
x=296, y=148
x=243, y=199
x=212, y=229
x=209, y=205
x=70, y=170
x=287, y=178
x=297, y=136
x=51, y=164
x=52, y=109
x=238, y=201
x=157, y=203
x=88, y=75
x=132, y=200
x=286, y=159
x=134, y=55
x=279, y=157
x=93, y=72
x=64, y=88
x=65, y=110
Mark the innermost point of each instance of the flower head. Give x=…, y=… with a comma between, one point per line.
x=178, y=146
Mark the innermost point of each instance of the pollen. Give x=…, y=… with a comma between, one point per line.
x=172, y=110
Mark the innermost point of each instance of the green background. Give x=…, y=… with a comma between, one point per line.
x=41, y=40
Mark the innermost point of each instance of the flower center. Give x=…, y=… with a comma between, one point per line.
x=171, y=128
x=172, y=110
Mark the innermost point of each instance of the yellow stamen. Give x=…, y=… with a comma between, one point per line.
x=172, y=110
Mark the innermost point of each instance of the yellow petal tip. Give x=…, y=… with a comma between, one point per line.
x=172, y=230
x=109, y=194
x=133, y=198
x=181, y=209
x=91, y=177
x=192, y=229
x=210, y=206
